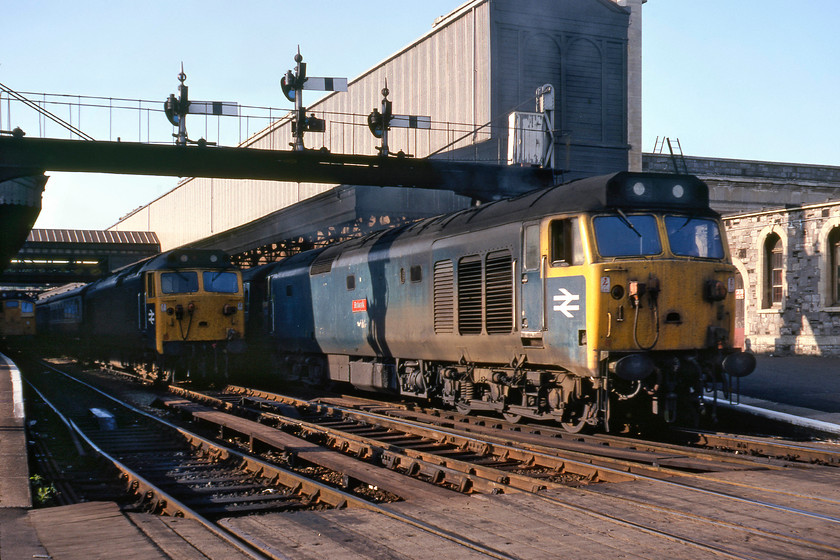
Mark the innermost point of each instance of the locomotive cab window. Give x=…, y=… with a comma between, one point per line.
x=220, y=282
x=531, y=244
x=178, y=282
x=27, y=307
x=627, y=236
x=565, y=243
x=351, y=282
x=694, y=237
x=150, y=284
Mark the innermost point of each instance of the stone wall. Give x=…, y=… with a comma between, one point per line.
x=807, y=321
x=738, y=186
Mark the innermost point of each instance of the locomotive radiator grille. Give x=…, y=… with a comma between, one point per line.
x=499, y=293
x=469, y=295
x=444, y=297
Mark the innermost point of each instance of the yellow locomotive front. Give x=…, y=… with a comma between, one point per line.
x=17, y=315
x=195, y=315
x=662, y=301
x=642, y=284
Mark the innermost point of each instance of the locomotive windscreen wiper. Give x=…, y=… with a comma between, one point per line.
x=626, y=222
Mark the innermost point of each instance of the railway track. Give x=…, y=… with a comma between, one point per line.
x=681, y=440
x=172, y=471
x=534, y=465
x=717, y=504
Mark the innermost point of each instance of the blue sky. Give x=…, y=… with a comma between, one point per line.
x=745, y=79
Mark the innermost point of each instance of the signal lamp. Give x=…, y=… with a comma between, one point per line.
x=287, y=84
x=375, y=123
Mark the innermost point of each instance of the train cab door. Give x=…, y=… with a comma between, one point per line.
x=531, y=286
x=146, y=306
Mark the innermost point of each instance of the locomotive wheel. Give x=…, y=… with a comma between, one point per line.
x=577, y=419
x=512, y=418
x=463, y=408
x=575, y=426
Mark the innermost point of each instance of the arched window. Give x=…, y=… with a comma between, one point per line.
x=774, y=271
x=833, y=256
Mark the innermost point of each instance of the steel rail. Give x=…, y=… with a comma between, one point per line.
x=663, y=470
x=802, y=452
x=605, y=441
x=319, y=490
x=504, y=443
x=535, y=490
x=739, y=527
x=169, y=503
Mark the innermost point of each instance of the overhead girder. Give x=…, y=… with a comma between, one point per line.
x=480, y=181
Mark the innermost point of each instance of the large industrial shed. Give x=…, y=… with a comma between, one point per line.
x=468, y=73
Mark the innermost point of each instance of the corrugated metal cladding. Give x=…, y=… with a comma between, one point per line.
x=92, y=236
x=475, y=66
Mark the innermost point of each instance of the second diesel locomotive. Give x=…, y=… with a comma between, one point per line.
x=591, y=303
x=17, y=315
x=178, y=312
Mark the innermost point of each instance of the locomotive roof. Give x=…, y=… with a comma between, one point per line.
x=628, y=191
x=16, y=295
x=174, y=259
x=187, y=258
x=258, y=273
x=653, y=191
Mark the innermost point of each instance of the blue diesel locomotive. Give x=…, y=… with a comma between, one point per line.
x=602, y=302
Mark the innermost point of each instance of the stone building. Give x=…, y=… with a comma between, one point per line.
x=789, y=263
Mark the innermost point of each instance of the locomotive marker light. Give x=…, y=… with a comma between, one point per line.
x=176, y=110
x=642, y=189
x=293, y=85
x=381, y=122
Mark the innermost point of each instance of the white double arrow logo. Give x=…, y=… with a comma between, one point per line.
x=566, y=298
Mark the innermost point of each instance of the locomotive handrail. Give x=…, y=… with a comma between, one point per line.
x=544, y=280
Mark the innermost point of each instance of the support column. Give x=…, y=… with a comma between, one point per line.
x=634, y=83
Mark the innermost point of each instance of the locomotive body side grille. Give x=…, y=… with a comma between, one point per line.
x=444, y=297
x=469, y=295
x=322, y=263
x=499, y=293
